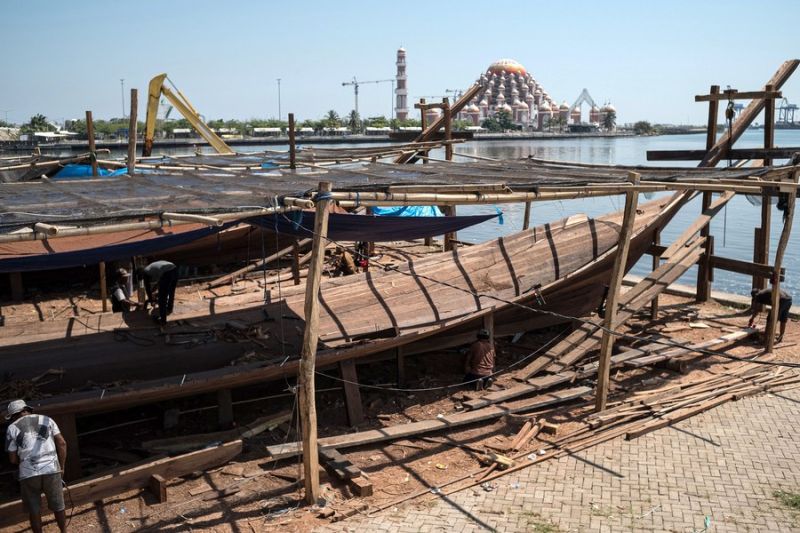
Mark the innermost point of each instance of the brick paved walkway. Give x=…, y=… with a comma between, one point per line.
x=724, y=464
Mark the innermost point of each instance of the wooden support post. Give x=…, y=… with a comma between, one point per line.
x=308, y=408
x=103, y=286
x=526, y=219
x=703, y=289
x=448, y=129
x=17, y=288
x=292, y=145
x=69, y=430
x=776, y=276
x=90, y=135
x=761, y=252
x=157, y=486
x=488, y=324
x=449, y=211
x=607, y=342
x=401, y=367
x=132, y=125
x=769, y=124
x=296, y=262
x=656, y=264
x=224, y=408
x=352, y=394
x=422, y=122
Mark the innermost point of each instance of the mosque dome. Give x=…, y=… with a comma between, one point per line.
x=564, y=106
x=609, y=108
x=507, y=65
x=544, y=106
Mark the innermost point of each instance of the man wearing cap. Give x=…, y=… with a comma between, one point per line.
x=479, y=365
x=760, y=298
x=34, y=442
x=120, y=296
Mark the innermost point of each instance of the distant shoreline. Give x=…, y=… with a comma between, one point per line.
x=82, y=146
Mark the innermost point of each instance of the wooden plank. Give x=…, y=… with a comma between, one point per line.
x=283, y=451
x=17, y=288
x=747, y=116
x=733, y=94
x=292, y=144
x=132, y=477
x=352, y=393
x=306, y=374
x=620, y=261
x=656, y=264
x=103, y=286
x=338, y=465
x=703, y=288
x=277, y=255
x=668, y=353
x=701, y=222
x=735, y=154
x=769, y=124
x=526, y=218
x=224, y=408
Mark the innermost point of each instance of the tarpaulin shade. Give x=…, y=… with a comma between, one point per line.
x=68, y=252
x=343, y=227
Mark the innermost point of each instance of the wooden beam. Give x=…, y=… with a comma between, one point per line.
x=103, y=286
x=733, y=94
x=703, y=286
x=157, y=486
x=618, y=272
x=69, y=430
x=445, y=422
x=308, y=408
x=713, y=116
x=656, y=264
x=132, y=125
x=776, y=282
x=292, y=144
x=296, y=261
x=449, y=211
x=735, y=154
x=701, y=222
x=401, y=367
x=762, y=243
x=352, y=394
x=224, y=408
x=747, y=116
x=16, y=286
x=448, y=129
x=277, y=255
x=769, y=125
x=526, y=218
x=92, y=148
x=132, y=477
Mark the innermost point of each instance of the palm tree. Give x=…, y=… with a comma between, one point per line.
x=332, y=119
x=354, y=121
x=610, y=121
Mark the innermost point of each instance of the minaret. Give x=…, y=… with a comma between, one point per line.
x=401, y=92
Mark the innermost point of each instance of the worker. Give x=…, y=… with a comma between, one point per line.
x=165, y=276
x=120, y=295
x=479, y=365
x=345, y=265
x=763, y=297
x=34, y=442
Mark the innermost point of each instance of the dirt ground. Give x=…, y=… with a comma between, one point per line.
x=254, y=493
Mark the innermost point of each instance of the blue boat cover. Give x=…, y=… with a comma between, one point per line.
x=408, y=211
x=345, y=227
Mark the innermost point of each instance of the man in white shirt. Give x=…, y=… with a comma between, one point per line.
x=34, y=442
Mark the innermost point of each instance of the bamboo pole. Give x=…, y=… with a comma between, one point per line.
x=620, y=261
x=132, y=125
x=185, y=217
x=46, y=229
x=776, y=276
x=92, y=148
x=526, y=219
x=249, y=268
x=308, y=409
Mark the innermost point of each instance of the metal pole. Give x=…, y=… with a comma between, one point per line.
x=122, y=92
x=279, y=98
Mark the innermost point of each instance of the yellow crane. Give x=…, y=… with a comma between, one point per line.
x=182, y=104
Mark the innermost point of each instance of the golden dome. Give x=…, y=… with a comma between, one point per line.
x=508, y=65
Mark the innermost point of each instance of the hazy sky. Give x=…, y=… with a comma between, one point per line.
x=648, y=58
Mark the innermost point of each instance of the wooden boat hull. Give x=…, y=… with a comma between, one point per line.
x=428, y=305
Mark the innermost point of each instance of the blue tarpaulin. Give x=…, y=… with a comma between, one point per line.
x=73, y=171
x=408, y=211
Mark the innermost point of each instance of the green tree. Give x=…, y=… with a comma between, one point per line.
x=557, y=123
x=492, y=125
x=642, y=128
x=4, y=124
x=503, y=118
x=377, y=122
x=610, y=121
x=332, y=119
x=354, y=121
x=37, y=122
x=461, y=125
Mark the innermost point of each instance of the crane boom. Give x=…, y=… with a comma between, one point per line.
x=182, y=104
x=355, y=83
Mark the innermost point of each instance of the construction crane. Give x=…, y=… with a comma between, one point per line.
x=182, y=104
x=355, y=83
x=584, y=98
x=786, y=112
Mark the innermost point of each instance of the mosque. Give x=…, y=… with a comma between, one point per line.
x=508, y=86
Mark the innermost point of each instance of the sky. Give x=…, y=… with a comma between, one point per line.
x=649, y=58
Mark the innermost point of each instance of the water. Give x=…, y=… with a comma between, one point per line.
x=732, y=228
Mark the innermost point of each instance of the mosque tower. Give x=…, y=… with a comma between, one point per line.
x=401, y=92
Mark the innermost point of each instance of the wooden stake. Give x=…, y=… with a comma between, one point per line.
x=90, y=135
x=449, y=211
x=132, y=125
x=296, y=262
x=423, y=123
x=308, y=408
x=488, y=324
x=352, y=394
x=292, y=145
x=103, y=287
x=703, y=290
x=224, y=408
x=776, y=277
x=761, y=253
x=17, y=288
x=769, y=124
x=448, y=129
x=401, y=367
x=526, y=219
x=607, y=342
